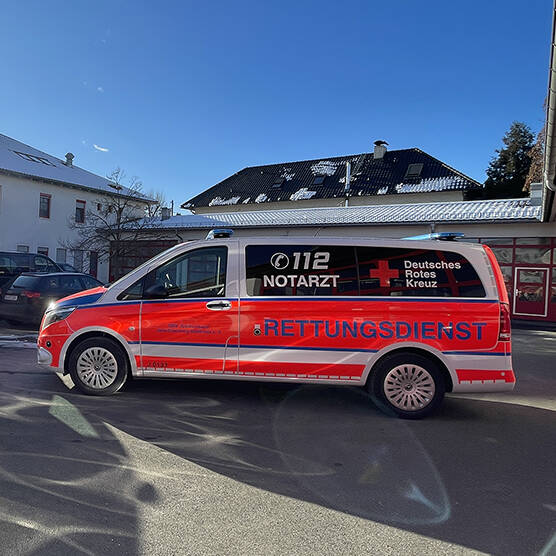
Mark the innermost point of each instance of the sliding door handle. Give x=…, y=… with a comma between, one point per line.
x=220, y=305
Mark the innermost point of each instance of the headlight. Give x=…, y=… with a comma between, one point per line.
x=54, y=315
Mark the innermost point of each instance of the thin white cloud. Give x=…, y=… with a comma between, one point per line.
x=83, y=142
x=101, y=149
x=100, y=89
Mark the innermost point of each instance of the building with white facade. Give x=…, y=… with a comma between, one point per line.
x=44, y=199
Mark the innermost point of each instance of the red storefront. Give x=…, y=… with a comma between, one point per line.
x=529, y=268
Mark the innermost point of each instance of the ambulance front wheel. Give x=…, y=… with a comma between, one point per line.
x=98, y=366
x=407, y=384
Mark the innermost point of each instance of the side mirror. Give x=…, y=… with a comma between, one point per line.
x=156, y=291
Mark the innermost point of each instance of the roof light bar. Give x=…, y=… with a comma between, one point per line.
x=445, y=236
x=219, y=233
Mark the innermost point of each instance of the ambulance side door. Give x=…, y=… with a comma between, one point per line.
x=297, y=297
x=189, y=313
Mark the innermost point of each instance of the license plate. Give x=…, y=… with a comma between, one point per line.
x=10, y=297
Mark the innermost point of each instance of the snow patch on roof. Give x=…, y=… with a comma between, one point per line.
x=431, y=184
x=382, y=191
x=302, y=194
x=287, y=174
x=217, y=201
x=23, y=159
x=324, y=168
x=246, y=200
x=261, y=198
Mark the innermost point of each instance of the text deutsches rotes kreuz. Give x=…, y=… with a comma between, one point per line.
x=422, y=274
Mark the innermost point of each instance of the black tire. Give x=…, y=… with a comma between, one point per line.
x=104, y=383
x=407, y=384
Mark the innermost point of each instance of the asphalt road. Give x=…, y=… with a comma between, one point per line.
x=217, y=467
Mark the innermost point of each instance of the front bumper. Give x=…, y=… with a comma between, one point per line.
x=44, y=357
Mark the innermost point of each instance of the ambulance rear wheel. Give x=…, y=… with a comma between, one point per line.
x=98, y=366
x=407, y=384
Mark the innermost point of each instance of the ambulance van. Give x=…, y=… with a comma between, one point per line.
x=407, y=320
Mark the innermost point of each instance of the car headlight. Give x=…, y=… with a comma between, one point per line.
x=54, y=315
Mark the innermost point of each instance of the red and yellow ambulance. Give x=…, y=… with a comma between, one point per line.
x=408, y=320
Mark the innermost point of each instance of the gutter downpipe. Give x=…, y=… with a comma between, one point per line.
x=549, y=169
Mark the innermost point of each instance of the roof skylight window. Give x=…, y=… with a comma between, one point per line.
x=318, y=180
x=34, y=158
x=278, y=182
x=414, y=170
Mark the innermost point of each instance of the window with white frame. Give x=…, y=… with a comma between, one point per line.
x=78, y=259
x=79, y=211
x=44, y=205
x=60, y=255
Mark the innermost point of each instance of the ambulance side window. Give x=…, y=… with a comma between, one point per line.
x=301, y=270
x=198, y=273
x=385, y=271
x=134, y=291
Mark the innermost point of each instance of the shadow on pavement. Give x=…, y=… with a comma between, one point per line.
x=458, y=476
x=57, y=490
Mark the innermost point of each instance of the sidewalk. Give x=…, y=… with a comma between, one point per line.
x=17, y=337
x=534, y=325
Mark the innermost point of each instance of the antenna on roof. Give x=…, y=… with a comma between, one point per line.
x=348, y=181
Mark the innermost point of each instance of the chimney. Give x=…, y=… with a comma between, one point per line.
x=380, y=149
x=69, y=159
x=165, y=213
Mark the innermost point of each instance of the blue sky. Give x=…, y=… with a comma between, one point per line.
x=183, y=94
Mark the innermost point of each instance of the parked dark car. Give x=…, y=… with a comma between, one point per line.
x=28, y=296
x=12, y=264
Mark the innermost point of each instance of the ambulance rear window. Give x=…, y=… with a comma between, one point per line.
x=416, y=272
x=324, y=270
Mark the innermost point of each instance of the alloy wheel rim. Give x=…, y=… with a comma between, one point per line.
x=409, y=387
x=97, y=368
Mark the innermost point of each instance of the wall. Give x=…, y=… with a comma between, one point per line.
x=436, y=196
x=20, y=223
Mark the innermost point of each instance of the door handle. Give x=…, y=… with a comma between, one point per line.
x=219, y=305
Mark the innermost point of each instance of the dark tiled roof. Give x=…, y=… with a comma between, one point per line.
x=383, y=176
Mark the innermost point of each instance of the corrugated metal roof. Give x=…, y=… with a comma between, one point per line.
x=370, y=176
x=51, y=168
x=504, y=210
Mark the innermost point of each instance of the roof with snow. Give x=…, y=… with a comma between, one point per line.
x=504, y=210
x=401, y=171
x=21, y=159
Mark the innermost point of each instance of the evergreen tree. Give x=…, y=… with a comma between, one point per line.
x=507, y=171
x=536, y=154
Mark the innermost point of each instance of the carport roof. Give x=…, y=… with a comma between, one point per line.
x=504, y=210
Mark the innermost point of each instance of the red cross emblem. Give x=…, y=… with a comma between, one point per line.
x=384, y=273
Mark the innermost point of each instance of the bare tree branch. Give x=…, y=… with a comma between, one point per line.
x=116, y=223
